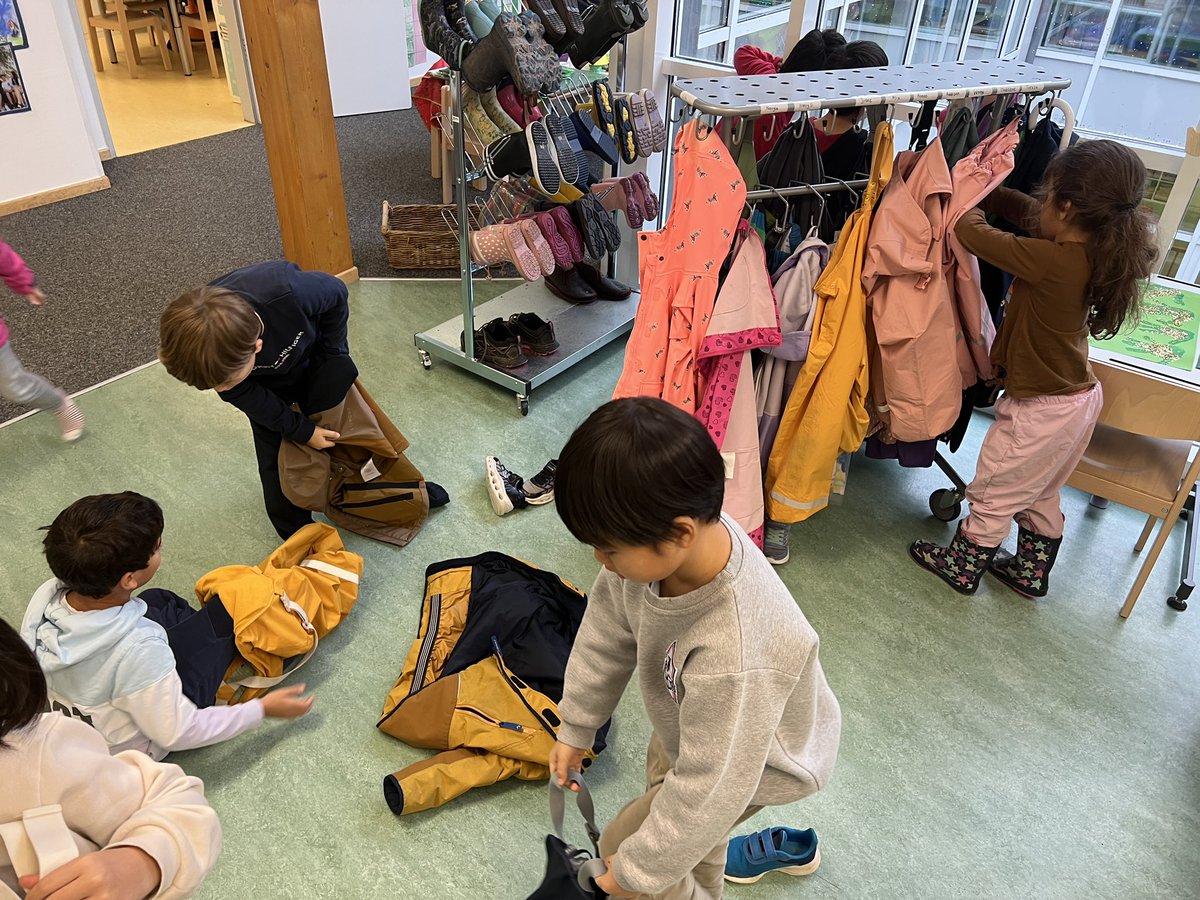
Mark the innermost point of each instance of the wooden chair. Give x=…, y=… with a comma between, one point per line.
x=205, y=20
x=126, y=20
x=1139, y=455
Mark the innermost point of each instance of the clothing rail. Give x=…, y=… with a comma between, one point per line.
x=761, y=95
x=801, y=190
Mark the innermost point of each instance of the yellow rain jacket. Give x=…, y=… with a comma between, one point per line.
x=826, y=414
x=482, y=680
x=281, y=607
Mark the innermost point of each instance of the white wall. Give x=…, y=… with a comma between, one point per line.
x=84, y=76
x=367, y=55
x=49, y=147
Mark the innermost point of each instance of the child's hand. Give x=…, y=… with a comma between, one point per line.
x=122, y=873
x=322, y=438
x=565, y=759
x=609, y=884
x=286, y=703
x=36, y=297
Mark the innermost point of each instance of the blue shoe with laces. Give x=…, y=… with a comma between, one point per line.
x=777, y=849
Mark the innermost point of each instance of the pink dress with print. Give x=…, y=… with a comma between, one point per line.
x=679, y=268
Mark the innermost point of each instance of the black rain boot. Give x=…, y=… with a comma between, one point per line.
x=605, y=24
x=439, y=36
x=514, y=47
x=456, y=15
x=961, y=565
x=568, y=11
x=1028, y=571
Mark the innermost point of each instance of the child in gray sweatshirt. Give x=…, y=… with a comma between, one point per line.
x=727, y=663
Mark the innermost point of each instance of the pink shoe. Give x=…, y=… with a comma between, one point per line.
x=538, y=244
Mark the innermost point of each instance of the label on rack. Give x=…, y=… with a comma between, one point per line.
x=977, y=92
x=767, y=109
x=955, y=94
x=370, y=471
x=730, y=460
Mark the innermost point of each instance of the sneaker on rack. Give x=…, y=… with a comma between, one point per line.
x=504, y=487
x=776, y=538
x=540, y=488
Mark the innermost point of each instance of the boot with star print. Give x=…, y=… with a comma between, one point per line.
x=961, y=565
x=1028, y=570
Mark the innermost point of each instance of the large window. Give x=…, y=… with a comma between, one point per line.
x=917, y=31
x=710, y=30
x=1156, y=32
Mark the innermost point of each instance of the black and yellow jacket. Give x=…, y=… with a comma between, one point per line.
x=483, y=679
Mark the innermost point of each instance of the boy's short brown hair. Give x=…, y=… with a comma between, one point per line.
x=206, y=336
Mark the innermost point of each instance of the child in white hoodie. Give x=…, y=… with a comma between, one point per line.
x=115, y=661
x=142, y=828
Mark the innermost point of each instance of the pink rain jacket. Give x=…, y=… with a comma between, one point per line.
x=17, y=276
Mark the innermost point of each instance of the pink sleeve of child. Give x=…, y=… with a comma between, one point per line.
x=18, y=276
x=755, y=61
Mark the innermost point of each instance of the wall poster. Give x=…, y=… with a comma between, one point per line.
x=13, y=98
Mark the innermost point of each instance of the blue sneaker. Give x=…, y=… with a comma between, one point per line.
x=777, y=849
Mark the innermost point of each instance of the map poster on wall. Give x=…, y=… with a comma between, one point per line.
x=13, y=98
x=1166, y=333
x=12, y=29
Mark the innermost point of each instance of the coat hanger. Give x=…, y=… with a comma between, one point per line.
x=814, y=224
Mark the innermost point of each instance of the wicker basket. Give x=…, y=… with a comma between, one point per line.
x=419, y=236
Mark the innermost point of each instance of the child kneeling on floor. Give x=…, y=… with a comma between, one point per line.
x=143, y=671
x=727, y=663
x=143, y=828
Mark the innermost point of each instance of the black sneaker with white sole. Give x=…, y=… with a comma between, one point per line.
x=540, y=488
x=504, y=487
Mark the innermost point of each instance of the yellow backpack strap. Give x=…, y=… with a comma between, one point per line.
x=37, y=843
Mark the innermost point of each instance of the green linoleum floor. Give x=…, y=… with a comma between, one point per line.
x=992, y=747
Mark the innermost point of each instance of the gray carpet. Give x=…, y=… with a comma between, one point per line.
x=175, y=218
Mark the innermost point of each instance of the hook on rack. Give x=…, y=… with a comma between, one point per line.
x=854, y=196
x=820, y=217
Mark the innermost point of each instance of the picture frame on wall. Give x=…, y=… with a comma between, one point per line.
x=13, y=97
x=12, y=28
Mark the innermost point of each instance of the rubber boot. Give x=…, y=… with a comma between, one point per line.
x=456, y=14
x=480, y=23
x=514, y=47
x=1028, y=571
x=605, y=24
x=961, y=565
x=439, y=36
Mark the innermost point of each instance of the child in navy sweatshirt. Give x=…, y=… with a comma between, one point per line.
x=265, y=337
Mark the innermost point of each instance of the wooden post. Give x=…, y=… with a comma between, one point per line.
x=287, y=56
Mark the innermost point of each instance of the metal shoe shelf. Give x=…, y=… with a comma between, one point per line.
x=581, y=330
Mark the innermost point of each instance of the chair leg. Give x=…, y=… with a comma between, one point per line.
x=112, y=46
x=97, y=52
x=1160, y=541
x=187, y=49
x=1141, y=541
x=435, y=151
x=212, y=54
x=133, y=59
x=162, y=46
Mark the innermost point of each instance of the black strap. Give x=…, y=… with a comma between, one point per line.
x=922, y=126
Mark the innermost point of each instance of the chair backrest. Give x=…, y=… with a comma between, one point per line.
x=1145, y=404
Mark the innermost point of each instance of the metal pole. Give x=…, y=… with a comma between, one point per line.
x=464, y=220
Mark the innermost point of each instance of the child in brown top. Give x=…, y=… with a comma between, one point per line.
x=1077, y=276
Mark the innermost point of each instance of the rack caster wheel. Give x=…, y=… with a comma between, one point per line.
x=1177, y=604
x=945, y=504
x=523, y=404
x=426, y=359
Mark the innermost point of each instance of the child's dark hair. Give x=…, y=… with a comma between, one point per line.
x=1104, y=182
x=22, y=684
x=96, y=540
x=634, y=467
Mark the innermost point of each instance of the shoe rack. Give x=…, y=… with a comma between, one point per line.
x=581, y=330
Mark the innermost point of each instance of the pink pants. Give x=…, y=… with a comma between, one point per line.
x=1026, y=458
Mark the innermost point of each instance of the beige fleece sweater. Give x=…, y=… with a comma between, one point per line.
x=127, y=800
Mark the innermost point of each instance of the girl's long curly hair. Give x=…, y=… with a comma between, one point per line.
x=1104, y=182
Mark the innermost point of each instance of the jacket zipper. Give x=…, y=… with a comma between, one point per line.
x=362, y=504
x=382, y=485
x=511, y=726
x=431, y=630
x=504, y=671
